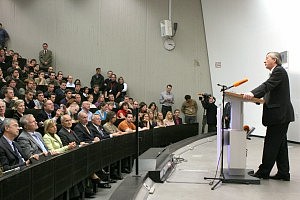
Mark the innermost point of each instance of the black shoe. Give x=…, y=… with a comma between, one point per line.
x=103, y=184
x=281, y=177
x=260, y=175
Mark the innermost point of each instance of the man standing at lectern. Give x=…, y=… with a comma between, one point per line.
x=278, y=112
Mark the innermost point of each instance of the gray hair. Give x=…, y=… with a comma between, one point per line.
x=24, y=119
x=7, y=122
x=2, y=101
x=277, y=56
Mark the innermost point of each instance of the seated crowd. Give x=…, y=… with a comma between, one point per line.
x=43, y=113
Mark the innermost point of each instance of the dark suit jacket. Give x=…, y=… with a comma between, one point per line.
x=83, y=134
x=42, y=116
x=102, y=134
x=8, y=157
x=277, y=108
x=67, y=137
x=28, y=144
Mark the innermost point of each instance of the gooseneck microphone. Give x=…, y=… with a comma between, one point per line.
x=238, y=83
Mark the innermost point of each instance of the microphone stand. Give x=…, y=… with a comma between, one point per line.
x=221, y=177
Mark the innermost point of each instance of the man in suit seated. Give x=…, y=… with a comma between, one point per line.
x=83, y=132
x=11, y=154
x=31, y=141
x=48, y=113
x=66, y=134
x=96, y=128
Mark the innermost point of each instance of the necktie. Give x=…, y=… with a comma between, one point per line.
x=100, y=131
x=40, y=143
x=21, y=160
x=49, y=116
x=86, y=128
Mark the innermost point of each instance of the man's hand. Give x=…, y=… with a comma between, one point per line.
x=248, y=95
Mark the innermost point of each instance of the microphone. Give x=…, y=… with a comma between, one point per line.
x=235, y=84
x=238, y=83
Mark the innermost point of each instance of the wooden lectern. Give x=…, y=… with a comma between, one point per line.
x=235, y=141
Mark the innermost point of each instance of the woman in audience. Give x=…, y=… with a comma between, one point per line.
x=144, y=122
x=121, y=114
x=123, y=86
x=102, y=111
x=19, y=109
x=160, y=120
x=152, y=121
x=52, y=140
x=109, y=126
x=100, y=100
x=168, y=121
x=90, y=98
x=41, y=79
x=152, y=106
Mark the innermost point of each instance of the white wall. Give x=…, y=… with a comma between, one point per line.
x=121, y=35
x=239, y=34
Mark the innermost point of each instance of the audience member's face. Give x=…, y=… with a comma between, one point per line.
x=52, y=128
x=45, y=46
x=160, y=116
x=97, y=120
x=90, y=98
x=111, y=97
x=77, y=87
x=169, y=89
x=13, y=128
x=69, y=95
x=129, y=118
x=52, y=76
x=63, y=86
x=78, y=98
x=135, y=104
x=101, y=98
x=70, y=79
x=96, y=89
x=15, y=73
x=10, y=94
x=2, y=108
x=86, y=105
x=177, y=113
x=31, y=124
x=169, y=115
x=74, y=108
x=52, y=97
x=21, y=108
x=67, y=122
x=83, y=118
x=50, y=88
x=30, y=85
x=12, y=84
x=29, y=96
x=40, y=97
x=110, y=107
x=49, y=106
x=113, y=78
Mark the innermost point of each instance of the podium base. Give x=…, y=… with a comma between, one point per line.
x=240, y=179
